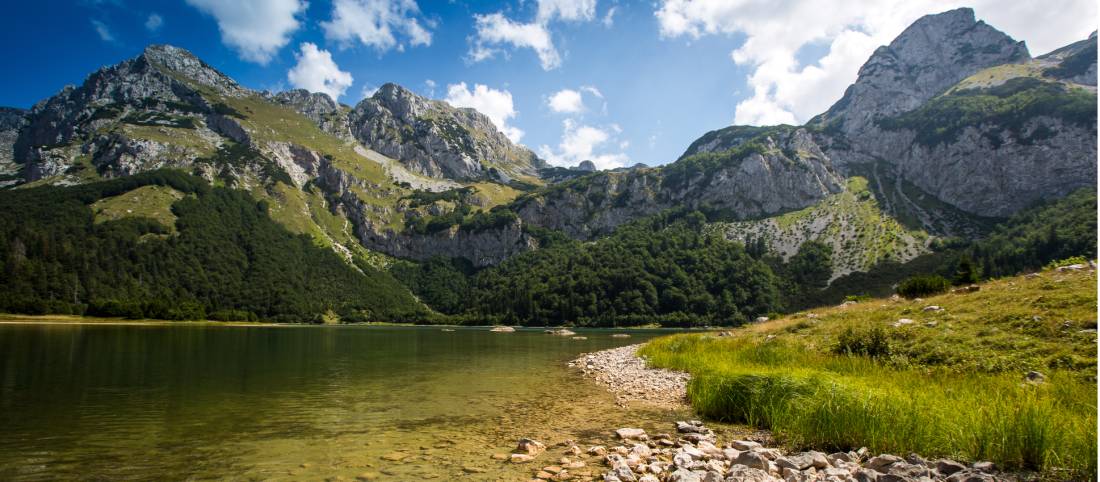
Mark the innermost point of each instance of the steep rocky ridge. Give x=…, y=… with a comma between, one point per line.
x=435, y=139
x=781, y=170
x=934, y=53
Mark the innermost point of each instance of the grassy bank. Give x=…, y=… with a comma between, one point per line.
x=949, y=383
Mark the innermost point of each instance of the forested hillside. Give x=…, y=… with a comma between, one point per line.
x=224, y=258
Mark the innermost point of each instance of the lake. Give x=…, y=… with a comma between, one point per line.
x=198, y=401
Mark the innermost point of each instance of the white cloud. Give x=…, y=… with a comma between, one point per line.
x=566, y=101
x=316, y=72
x=256, y=29
x=609, y=17
x=495, y=29
x=376, y=23
x=787, y=91
x=154, y=22
x=570, y=10
x=430, y=84
x=570, y=101
x=495, y=104
x=580, y=143
x=103, y=32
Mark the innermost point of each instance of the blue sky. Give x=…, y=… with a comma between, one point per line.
x=618, y=82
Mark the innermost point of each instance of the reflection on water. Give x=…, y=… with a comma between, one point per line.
x=170, y=402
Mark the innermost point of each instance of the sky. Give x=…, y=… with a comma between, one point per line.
x=617, y=82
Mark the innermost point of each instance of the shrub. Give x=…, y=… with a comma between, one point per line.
x=873, y=342
x=925, y=285
x=1066, y=262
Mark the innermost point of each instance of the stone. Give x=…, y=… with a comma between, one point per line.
x=631, y=434
x=908, y=470
x=761, y=319
x=741, y=473
x=499, y=456
x=986, y=467
x=883, y=461
x=752, y=460
x=620, y=335
x=469, y=469
x=948, y=467
x=520, y=458
x=684, y=475
x=866, y=475
x=502, y=329
x=640, y=451
x=529, y=446
x=745, y=444
x=1034, y=377
x=902, y=322
x=971, y=475
x=932, y=308
x=598, y=450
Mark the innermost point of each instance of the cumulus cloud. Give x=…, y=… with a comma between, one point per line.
x=785, y=90
x=103, y=31
x=256, y=29
x=495, y=104
x=154, y=22
x=376, y=23
x=570, y=101
x=494, y=30
x=570, y=10
x=316, y=72
x=581, y=142
x=566, y=101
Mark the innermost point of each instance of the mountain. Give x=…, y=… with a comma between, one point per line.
x=437, y=140
x=947, y=132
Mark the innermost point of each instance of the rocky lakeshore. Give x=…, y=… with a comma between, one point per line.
x=626, y=375
x=693, y=452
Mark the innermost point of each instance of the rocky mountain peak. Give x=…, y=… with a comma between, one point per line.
x=329, y=115
x=435, y=139
x=185, y=63
x=931, y=55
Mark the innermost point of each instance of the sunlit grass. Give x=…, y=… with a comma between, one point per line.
x=786, y=376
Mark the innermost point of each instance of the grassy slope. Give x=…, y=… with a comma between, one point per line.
x=154, y=202
x=949, y=384
x=852, y=222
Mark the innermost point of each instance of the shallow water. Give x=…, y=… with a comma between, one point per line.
x=293, y=402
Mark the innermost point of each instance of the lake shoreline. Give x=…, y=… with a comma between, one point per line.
x=21, y=319
x=693, y=452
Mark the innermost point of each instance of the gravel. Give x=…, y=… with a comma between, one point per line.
x=626, y=375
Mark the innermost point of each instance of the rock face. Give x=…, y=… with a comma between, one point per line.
x=908, y=93
x=996, y=164
x=434, y=139
x=329, y=115
x=788, y=171
x=934, y=53
x=11, y=121
x=156, y=91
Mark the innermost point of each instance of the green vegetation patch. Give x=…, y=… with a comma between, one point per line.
x=947, y=383
x=1008, y=106
x=229, y=255
x=153, y=202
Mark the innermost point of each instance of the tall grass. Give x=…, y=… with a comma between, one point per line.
x=814, y=398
